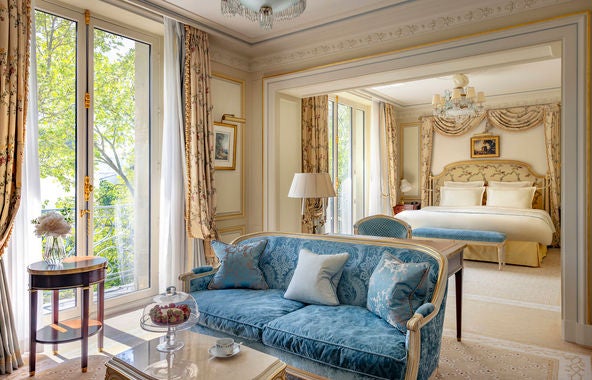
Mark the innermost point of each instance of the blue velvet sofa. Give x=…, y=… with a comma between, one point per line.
x=347, y=341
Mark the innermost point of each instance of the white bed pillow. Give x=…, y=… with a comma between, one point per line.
x=461, y=196
x=519, y=197
x=512, y=184
x=464, y=184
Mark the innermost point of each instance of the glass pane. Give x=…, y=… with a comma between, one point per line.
x=358, y=165
x=121, y=161
x=330, y=223
x=56, y=94
x=344, y=174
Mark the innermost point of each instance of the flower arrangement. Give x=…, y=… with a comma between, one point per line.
x=51, y=224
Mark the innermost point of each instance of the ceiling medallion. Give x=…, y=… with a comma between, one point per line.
x=461, y=102
x=264, y=11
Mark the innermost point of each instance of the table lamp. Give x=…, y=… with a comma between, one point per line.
x=312, y=185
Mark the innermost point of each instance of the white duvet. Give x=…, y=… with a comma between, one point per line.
x=517, y=224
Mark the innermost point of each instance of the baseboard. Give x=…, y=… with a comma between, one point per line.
x=578, y=333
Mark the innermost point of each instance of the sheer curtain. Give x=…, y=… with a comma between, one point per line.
x=378, y=199
x=172, y=238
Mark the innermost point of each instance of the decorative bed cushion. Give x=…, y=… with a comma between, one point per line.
x=239, y=266
x=348, y=337
x=512, y=184
x=461, y=196
x=397, y=289
x=316, y=278
x=464, y=184
x=242, y=312
x=519, y=197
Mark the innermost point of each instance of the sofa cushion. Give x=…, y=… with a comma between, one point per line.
x=397, y=289
x=316, y=278
x=242, y=312
x=344, y=336
x=239, y=266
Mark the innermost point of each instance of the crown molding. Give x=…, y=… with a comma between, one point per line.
x=455, y=18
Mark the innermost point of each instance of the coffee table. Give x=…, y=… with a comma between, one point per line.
x=192, y=362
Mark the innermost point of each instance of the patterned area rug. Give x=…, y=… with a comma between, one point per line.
x=476, y=357
x=479, y=357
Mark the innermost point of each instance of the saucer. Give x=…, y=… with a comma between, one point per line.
x=218, y=354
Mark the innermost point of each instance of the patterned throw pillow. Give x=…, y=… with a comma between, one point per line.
x=316, y=278
x=397, y=289
x=239, y=266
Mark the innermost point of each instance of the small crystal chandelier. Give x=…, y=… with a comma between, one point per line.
x=264, y=11
x=461, y=102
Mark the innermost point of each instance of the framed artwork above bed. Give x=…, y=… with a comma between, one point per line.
x=485, y=146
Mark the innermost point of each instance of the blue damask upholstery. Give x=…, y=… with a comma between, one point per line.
x=459, y=234
x=347, y=341
x=351, y=337
x=382, y=225
x=242, y=312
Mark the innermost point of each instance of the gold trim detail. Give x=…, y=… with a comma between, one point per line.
x=86, y=100
x=88, y=188
x=233, y=119
x=86, y=16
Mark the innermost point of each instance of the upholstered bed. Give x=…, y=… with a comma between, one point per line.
x=526, y=222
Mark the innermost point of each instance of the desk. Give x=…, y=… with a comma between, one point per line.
x=76, y=272
x=453, y=250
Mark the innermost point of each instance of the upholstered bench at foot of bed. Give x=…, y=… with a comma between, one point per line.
x=477, y=237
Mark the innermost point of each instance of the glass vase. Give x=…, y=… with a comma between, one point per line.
x=54, y=252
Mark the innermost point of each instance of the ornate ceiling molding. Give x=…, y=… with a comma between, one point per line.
x=454, y=19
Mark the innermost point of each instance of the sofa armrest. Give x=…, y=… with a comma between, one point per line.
x=424, y=314
x=197, y=279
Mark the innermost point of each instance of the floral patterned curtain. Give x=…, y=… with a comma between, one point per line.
x=393, y=147
x=15, y=33
x=315, y=151
x=200, y=194
x=511, y=119
x=426, y=149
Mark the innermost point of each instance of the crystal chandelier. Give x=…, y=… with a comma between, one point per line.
x=461, y=102
x=264, y=11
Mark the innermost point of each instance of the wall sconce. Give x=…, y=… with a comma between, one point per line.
x=233, y=119
x=312, y=185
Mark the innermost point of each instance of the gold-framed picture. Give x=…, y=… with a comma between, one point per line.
x=485, y=146
x=224, y=146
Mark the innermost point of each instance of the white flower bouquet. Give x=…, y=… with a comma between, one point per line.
x=51, y=224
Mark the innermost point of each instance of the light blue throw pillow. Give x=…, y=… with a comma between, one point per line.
x=397, y=289
x=316, y=278
x=239, y=266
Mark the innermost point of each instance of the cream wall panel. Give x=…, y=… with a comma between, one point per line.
x=228, y=97
x=527, y=146
x=228, y=234
x=410, y=154
x=289, y=154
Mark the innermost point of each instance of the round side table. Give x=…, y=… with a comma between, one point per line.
x=75, y=272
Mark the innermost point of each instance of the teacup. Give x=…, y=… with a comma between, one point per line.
x=225, y=346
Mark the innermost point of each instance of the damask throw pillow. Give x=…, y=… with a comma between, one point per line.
x=397, y=289
x=316, y=278
x=239, y=266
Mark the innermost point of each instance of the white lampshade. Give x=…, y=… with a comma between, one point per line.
x=311, y=185
x=405, y=186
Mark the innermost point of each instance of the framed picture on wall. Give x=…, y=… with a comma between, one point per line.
x=485, y=146
x=224, y=146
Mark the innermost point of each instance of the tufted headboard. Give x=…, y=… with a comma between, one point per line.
x=491, y=170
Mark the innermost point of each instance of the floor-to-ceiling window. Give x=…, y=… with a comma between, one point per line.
x=94, y=83
x=347, y=125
